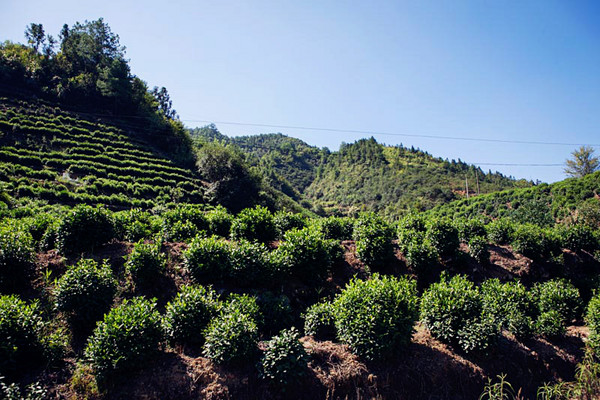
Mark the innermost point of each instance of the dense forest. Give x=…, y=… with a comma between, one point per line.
x=141, y=259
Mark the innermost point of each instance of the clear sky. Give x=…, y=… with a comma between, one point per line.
x=508, y=70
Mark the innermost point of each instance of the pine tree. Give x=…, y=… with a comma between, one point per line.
x=582, y=163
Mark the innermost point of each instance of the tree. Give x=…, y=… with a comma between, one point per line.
x=35, y=35
x=582, y=163
x=164, y=102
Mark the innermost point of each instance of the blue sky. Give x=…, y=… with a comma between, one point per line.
x=508, y=70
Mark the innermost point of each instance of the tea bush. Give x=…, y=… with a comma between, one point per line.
x=529, y=240
x=337, y=228
x=500, y=231
x=592, y=319
x=558, y=295
x=134, y=225
x=146, y=262
x=285, y=221
x=417, y=250
x=128, y=336
x=305, y=255
x=249, y=263
x=207, y=259
x=478, y=249
x=231, y=338
x=245, y=304
x=373, y=238
x=510, y=306
x=181, y=231
x=550, y=324
x=16, y=255
x=376, y=317
x=85, y=292
x=469, y=229
x=219, y=222
x=443, y=236
x=577, y=238
x=20, y=327
x=319, y=321
x=284, y=362
x=84, y=228
x=188, y=314
x=276, y=312
x=254, y=224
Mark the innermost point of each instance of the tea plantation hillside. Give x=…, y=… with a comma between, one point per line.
x=65, y=157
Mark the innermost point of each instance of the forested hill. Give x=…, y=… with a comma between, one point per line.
x=364, y=175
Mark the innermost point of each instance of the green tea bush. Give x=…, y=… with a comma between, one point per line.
x=373, y=238
x=249, y=263
x=550, y=324
x=500, y=231
x=510, y=306
x=181, y=231
x=219, y=222
x=84, y=228
x=146, y=262
x=231, y=338
x=128, y=336
x=417, y=250
x=244, y=303
x=592, y=319
x=276, y=312
x=558, y=295
x=376, y=317
x=285, y=361
x=207, y=259
x=452, y=311
x=319, y=321
x=134, y=224
x=306, y=255
x=337, y=228
x=443, y=236
x=20, y=327
x=17, y=254
x=412, y=222
x=286, y=221
x=577, y=238
x=186, y=213
x=254, y=224
x=470, y=228
x=478, y=249
x=529, y=240
x=85, y=292
x=188, y=314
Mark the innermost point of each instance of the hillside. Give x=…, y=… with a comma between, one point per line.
x=364, y=175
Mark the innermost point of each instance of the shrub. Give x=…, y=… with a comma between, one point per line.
x=20, y=326
x=417, y=250
x=219, y=222
x=85, y=292
x=83, y=228
x=255, y=224
x=207, y=258
x=592, y=318
x=319, y=321
x=249, y=263
x=276, y=312
x=16, y=255
x=145, y=262
x=376, y=317
x=509, y=305
x=500, y=231
x=231, y=338
x=181, y=231
x=286, y=221
x=558, y=295
x=550, y=324
x=452, y=311
x=186, y=213
x=478, y=249
x=443, y=236
x=337, y=228
x=529, y=240
x=189, y=313
x=577, y=238
x=470, y=228
x=373, y=238
x=479, y=335
x=244, y=303
x=134, y=224
x=128, y=336
x=285, y=360
x=306, y=255
x=412, y=222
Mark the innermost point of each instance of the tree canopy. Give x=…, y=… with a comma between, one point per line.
x=583, y=162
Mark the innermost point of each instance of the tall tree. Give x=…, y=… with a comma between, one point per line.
x=583, y=162
x=35, y=35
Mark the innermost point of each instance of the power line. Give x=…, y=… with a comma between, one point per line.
x=391, y=133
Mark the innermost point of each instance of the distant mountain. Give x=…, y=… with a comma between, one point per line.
x=364, y=175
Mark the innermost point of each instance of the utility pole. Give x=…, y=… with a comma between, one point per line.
x=467, y=186
x=477, y=176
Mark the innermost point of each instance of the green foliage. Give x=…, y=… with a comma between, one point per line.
x=20, y=328
x=189, y=313
x=550, y=324
x=452, y=311
x=558, y=295
x=255, y=224
x=184, y=223
x=417, y=250
x=376, y=317
x=373, y=238
x=502, y=390
x=284, y=362
x=276, y=312
x=245, y=304
x=134, y=224
x=592, y=319
x=128, y=336
x=510, y=306
x=33, y=391
x=286, y=221
x=208, y=258
x=145, y=262
x=578, y=237
x=85, y=292
x=529, y=240
x=231, y=338
x=84, y=228
x=337, y=228
x=500, y=231
x=16, y=254
x=469, y=228
x=583, y=162
x=443, y=236
x=319, y=321
x=478, y=249
x=250, y=264
x=219, y=222
x=306, y=255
